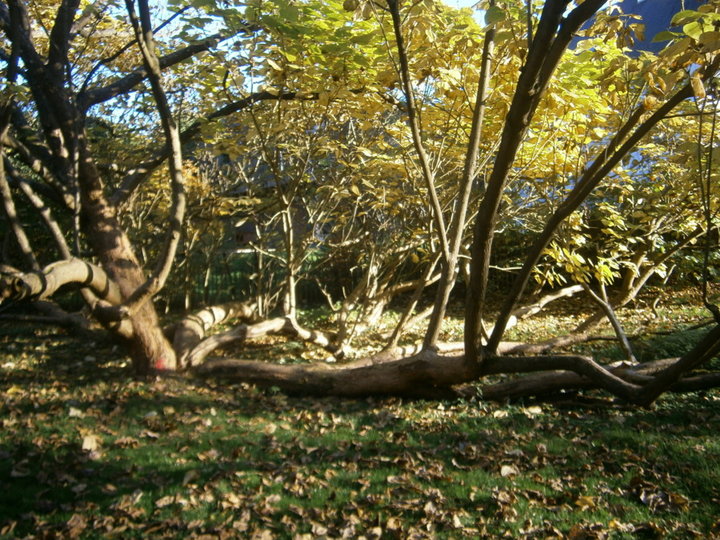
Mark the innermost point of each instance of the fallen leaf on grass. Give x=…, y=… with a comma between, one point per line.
x=76, y=525
x=532, y=411
x=509, y=470
x=584, y=531
x=658, y=500
x=190, y=476
x=126, y=442
x=91, y=442
x=75, y=413
x=586, y=502
x=167, y=500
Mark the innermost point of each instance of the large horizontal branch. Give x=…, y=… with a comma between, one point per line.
x=425, y=374
x=43, y=284
x=549, y=383
x=95, y=96
x=192, y=329
x=703, y=351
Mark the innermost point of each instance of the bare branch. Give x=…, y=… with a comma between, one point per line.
x=43, y=284
x=126, y=83
x=550, y=41
x=144, y=36
x=416, y=128
x=60, y=39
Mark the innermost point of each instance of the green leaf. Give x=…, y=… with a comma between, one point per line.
x=289, y=13
x=494, y=15
x=665, y=35
x=363, y=39
x=684, y=17
x=693, y=29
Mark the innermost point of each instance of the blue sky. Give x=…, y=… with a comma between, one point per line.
x=460, y=3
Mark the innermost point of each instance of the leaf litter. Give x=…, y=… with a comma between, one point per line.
x=87, y=452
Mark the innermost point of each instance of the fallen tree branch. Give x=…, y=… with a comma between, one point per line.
x=243, y=332
x=192, y=329
x=549, y=383
x=425, y=374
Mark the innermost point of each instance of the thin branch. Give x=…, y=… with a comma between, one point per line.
x=145, y=40
x=457, y=225
x=602, y=301
x=551, y=39
x=95, y=96
x=415, y=127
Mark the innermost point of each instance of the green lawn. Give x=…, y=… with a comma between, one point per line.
x=85, y=451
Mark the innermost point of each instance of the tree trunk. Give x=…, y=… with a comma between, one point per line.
x=423, y=375
x=149, y=347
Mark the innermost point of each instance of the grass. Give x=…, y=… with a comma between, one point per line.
x=87, y=452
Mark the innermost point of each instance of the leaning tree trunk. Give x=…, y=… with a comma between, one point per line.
x=149, y=347
x=68, y=152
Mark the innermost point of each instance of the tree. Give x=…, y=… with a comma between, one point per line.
x=291, y=51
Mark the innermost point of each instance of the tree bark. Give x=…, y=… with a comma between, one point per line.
x=193, y=328
x=458, y=224
x=70, y=159
x=554, y=32
x=423, y=375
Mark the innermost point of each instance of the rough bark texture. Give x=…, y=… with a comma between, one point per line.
x=554, y=32
x=424, y=375
x=67, y=156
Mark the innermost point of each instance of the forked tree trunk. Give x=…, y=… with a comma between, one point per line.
x=149, y=347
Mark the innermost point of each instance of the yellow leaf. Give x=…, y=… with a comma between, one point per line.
x=697, y=86
x=165, y=501
x=533, y=411
x=649, y=102
x=90, y=443
x=585, y=502
x=274, y=65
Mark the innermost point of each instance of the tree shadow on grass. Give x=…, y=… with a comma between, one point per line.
x=176, y=458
